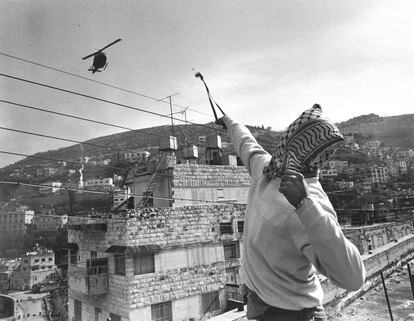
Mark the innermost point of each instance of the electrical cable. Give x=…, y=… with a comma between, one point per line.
x=363, y=227
x=100, y=82
x=153, y=197
x=86, y=164
x=139, y=131
x=62, y=160
x=218, y=128
x=107, y=193
x=58, y=138
x=104, y=100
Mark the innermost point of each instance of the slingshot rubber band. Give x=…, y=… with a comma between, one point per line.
x=210, y=99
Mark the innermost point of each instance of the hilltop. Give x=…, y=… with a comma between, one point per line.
x=396, y=131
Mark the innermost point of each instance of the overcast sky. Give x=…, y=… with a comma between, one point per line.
x=264, y=61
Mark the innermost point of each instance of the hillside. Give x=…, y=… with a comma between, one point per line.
x=396, y=131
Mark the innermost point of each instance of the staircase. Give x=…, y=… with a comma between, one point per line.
x=155, y=179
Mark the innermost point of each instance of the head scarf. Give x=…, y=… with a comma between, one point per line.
x=307, y=143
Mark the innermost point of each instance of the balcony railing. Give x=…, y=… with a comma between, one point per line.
x=91, y=280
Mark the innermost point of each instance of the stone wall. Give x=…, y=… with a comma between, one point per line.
x=211, y=183
x=377, y=235
x=191, y=260
x=178, y=227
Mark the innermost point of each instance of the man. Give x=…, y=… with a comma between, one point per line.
x=291, y=229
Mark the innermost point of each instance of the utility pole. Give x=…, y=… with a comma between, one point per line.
x=171, y=113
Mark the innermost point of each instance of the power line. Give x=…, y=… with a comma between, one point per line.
x=107, y=193
x=98, y=82
x=104, y=100
x=62, y=160
x=218, y=128
x=140, y=131
x=87, y=164
x=57, y=138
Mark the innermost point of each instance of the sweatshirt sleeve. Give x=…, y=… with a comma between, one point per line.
x=253, y=156
x=328, y=249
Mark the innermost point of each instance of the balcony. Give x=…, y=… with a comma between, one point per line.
x=90, y=280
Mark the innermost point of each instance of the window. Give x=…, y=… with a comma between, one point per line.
x=98, y=314
x=144, y=264
x=119, y=264
x=226, y=228
x=220, y=194
x=78, y=310
x=240, y=226
x=114, y=317
x=210, y=302
x=73, y=257
x=161, y=312
x=231, y=250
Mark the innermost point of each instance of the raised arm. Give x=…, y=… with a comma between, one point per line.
x=323, y=241
x=253, y=156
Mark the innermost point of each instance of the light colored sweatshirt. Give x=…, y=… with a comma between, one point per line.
x=284, y=247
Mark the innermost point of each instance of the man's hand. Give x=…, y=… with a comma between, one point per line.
x=293, y=186
x=220, y=122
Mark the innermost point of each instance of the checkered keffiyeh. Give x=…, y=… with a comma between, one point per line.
x=307, y=143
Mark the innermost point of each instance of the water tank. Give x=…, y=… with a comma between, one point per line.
x=191, y=152
x=168, y=143
x=214, y=141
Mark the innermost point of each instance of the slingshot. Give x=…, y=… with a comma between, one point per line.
x=210, y=99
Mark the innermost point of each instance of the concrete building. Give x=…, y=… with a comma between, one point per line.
x=49, y=222
x=402, y=167
x=375, y=174
x=100, y=184
x=50, y=188
x=137, y=156
x=14, y=221
x=24, y=306
x=328, y=173
x=121, y=195
x=34, y=267
x=346, y=184
x=46, y=171
x=6, y=270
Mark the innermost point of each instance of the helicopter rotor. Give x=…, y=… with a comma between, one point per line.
x=93, y=54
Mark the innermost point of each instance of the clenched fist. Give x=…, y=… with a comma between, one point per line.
x=294, y=187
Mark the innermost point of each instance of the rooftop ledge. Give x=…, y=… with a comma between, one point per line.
x=385, y=258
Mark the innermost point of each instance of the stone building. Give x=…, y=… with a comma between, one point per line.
x=190, y=184
x=14, y=220
x=175, y=255
x=172, y=263
x=34, y=267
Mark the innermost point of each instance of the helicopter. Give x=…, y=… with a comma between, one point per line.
x=99, y=58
